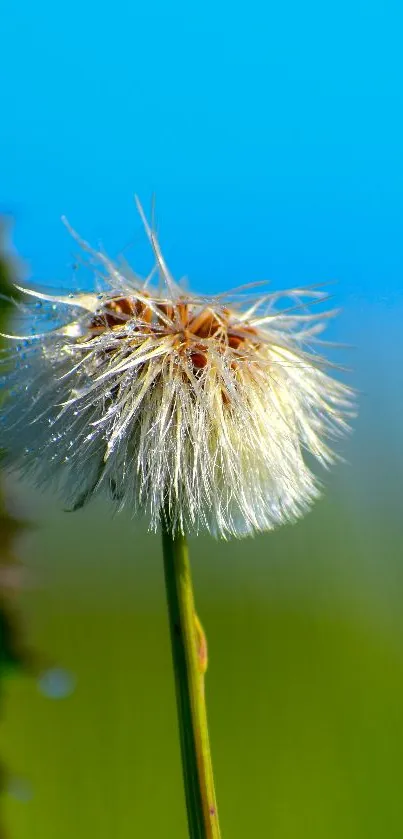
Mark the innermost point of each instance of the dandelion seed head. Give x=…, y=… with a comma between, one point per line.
x=205, y=407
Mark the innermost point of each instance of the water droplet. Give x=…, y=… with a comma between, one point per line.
x=56, y=683
x=19, y=788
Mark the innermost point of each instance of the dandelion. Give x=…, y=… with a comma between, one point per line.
x=202, y=406
x=199, y=412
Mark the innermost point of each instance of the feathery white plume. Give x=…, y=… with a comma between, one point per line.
x=202, y=407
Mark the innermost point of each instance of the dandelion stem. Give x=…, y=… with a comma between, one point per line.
x=189, y=653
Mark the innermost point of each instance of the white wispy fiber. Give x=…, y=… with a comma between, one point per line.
x=204, y=408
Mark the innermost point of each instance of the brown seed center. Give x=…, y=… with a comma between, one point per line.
x=194, y=328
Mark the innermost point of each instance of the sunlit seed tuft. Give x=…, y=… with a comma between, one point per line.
x=202, y=406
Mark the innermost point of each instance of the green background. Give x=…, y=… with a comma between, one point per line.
x=305, y=682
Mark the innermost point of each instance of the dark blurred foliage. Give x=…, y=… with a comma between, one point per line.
x=14, y=654
x=10, y=526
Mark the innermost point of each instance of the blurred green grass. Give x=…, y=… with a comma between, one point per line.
x=305, y=682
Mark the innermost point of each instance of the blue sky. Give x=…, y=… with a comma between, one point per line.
x=271, y=134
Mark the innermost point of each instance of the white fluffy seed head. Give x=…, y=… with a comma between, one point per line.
x=200, y=409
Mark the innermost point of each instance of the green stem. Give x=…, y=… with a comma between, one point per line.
x=189, y=659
